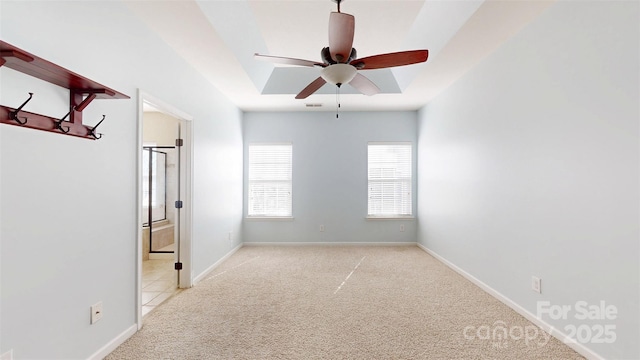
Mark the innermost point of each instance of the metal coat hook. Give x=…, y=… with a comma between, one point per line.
x=92, y=132
x=58, y=124
x=14, y=114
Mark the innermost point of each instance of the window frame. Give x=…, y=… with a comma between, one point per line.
x=267, y=216
x=410, y=182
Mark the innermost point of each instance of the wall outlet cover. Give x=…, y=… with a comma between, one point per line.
x=96, y=312
x=536, y=284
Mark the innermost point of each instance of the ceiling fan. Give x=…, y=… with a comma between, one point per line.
x=340, y=64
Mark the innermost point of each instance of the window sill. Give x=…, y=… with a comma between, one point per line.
x=269, y=218
x=389, y=217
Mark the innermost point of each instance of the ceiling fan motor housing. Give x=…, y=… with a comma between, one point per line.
x=325, y=54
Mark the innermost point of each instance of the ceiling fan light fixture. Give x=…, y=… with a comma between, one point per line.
x=340, y=63
x=338, y=74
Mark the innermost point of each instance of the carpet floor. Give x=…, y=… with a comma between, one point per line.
x=337, y=302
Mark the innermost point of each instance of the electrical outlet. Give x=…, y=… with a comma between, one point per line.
x=401, y=227
x=7, y=356
x=230, y=237
x=321, y=228
x=96, y=312
x=536, y=284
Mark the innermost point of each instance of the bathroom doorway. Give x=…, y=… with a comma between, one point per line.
x=164, y=203
x=160, y=180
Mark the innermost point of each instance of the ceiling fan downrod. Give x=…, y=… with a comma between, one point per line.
x=338, y=2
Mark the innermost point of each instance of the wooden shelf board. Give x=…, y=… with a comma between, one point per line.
x=18, y=60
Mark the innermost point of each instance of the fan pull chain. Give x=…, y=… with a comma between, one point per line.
x=337, y=102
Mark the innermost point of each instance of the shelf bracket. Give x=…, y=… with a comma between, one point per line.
x=75, y=99
x=14, y=54
x=85, y=102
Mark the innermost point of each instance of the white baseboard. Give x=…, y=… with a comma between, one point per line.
x=355, y=243
x=113, y=344
x=578, y=347
x=207, y=271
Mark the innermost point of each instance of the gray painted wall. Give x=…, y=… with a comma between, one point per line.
x=529, y=166
x=68, y=224
x=329, y=175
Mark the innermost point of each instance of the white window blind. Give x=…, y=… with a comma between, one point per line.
x=270, y=168
x=389, y=168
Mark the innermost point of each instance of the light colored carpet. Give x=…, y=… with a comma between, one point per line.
x=337, y=302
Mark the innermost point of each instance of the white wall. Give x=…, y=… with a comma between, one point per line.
x=329, y=175
x=529, y=166
x=68, y=224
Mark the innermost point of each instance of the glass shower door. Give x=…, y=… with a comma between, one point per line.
x=160, y=188
x=154, y=185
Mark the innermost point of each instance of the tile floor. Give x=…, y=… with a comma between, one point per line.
x=159, y=282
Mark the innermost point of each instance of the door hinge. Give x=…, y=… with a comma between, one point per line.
x=179, y=204
x=178, y=266
x=179, y=142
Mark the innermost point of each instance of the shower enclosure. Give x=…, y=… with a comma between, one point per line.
x=160, y=190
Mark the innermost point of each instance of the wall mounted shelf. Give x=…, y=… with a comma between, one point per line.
x=82, y=92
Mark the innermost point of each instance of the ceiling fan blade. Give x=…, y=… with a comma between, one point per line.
x=311, y=88
x=287, y=61
x=364, y=85
x=341, y=28
x=390, y=60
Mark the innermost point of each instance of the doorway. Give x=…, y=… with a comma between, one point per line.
x=164, y=203
x=160, y=180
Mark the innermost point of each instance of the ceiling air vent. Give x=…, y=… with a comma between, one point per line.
x=313, y=105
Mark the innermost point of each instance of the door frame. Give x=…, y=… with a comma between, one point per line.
x=186, y=194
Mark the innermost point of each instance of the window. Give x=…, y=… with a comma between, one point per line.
x=389, y=168
x=270, y=180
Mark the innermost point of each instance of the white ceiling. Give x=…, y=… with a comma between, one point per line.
x=219, y=38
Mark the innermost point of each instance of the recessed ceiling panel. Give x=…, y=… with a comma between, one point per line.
x=235, y=23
